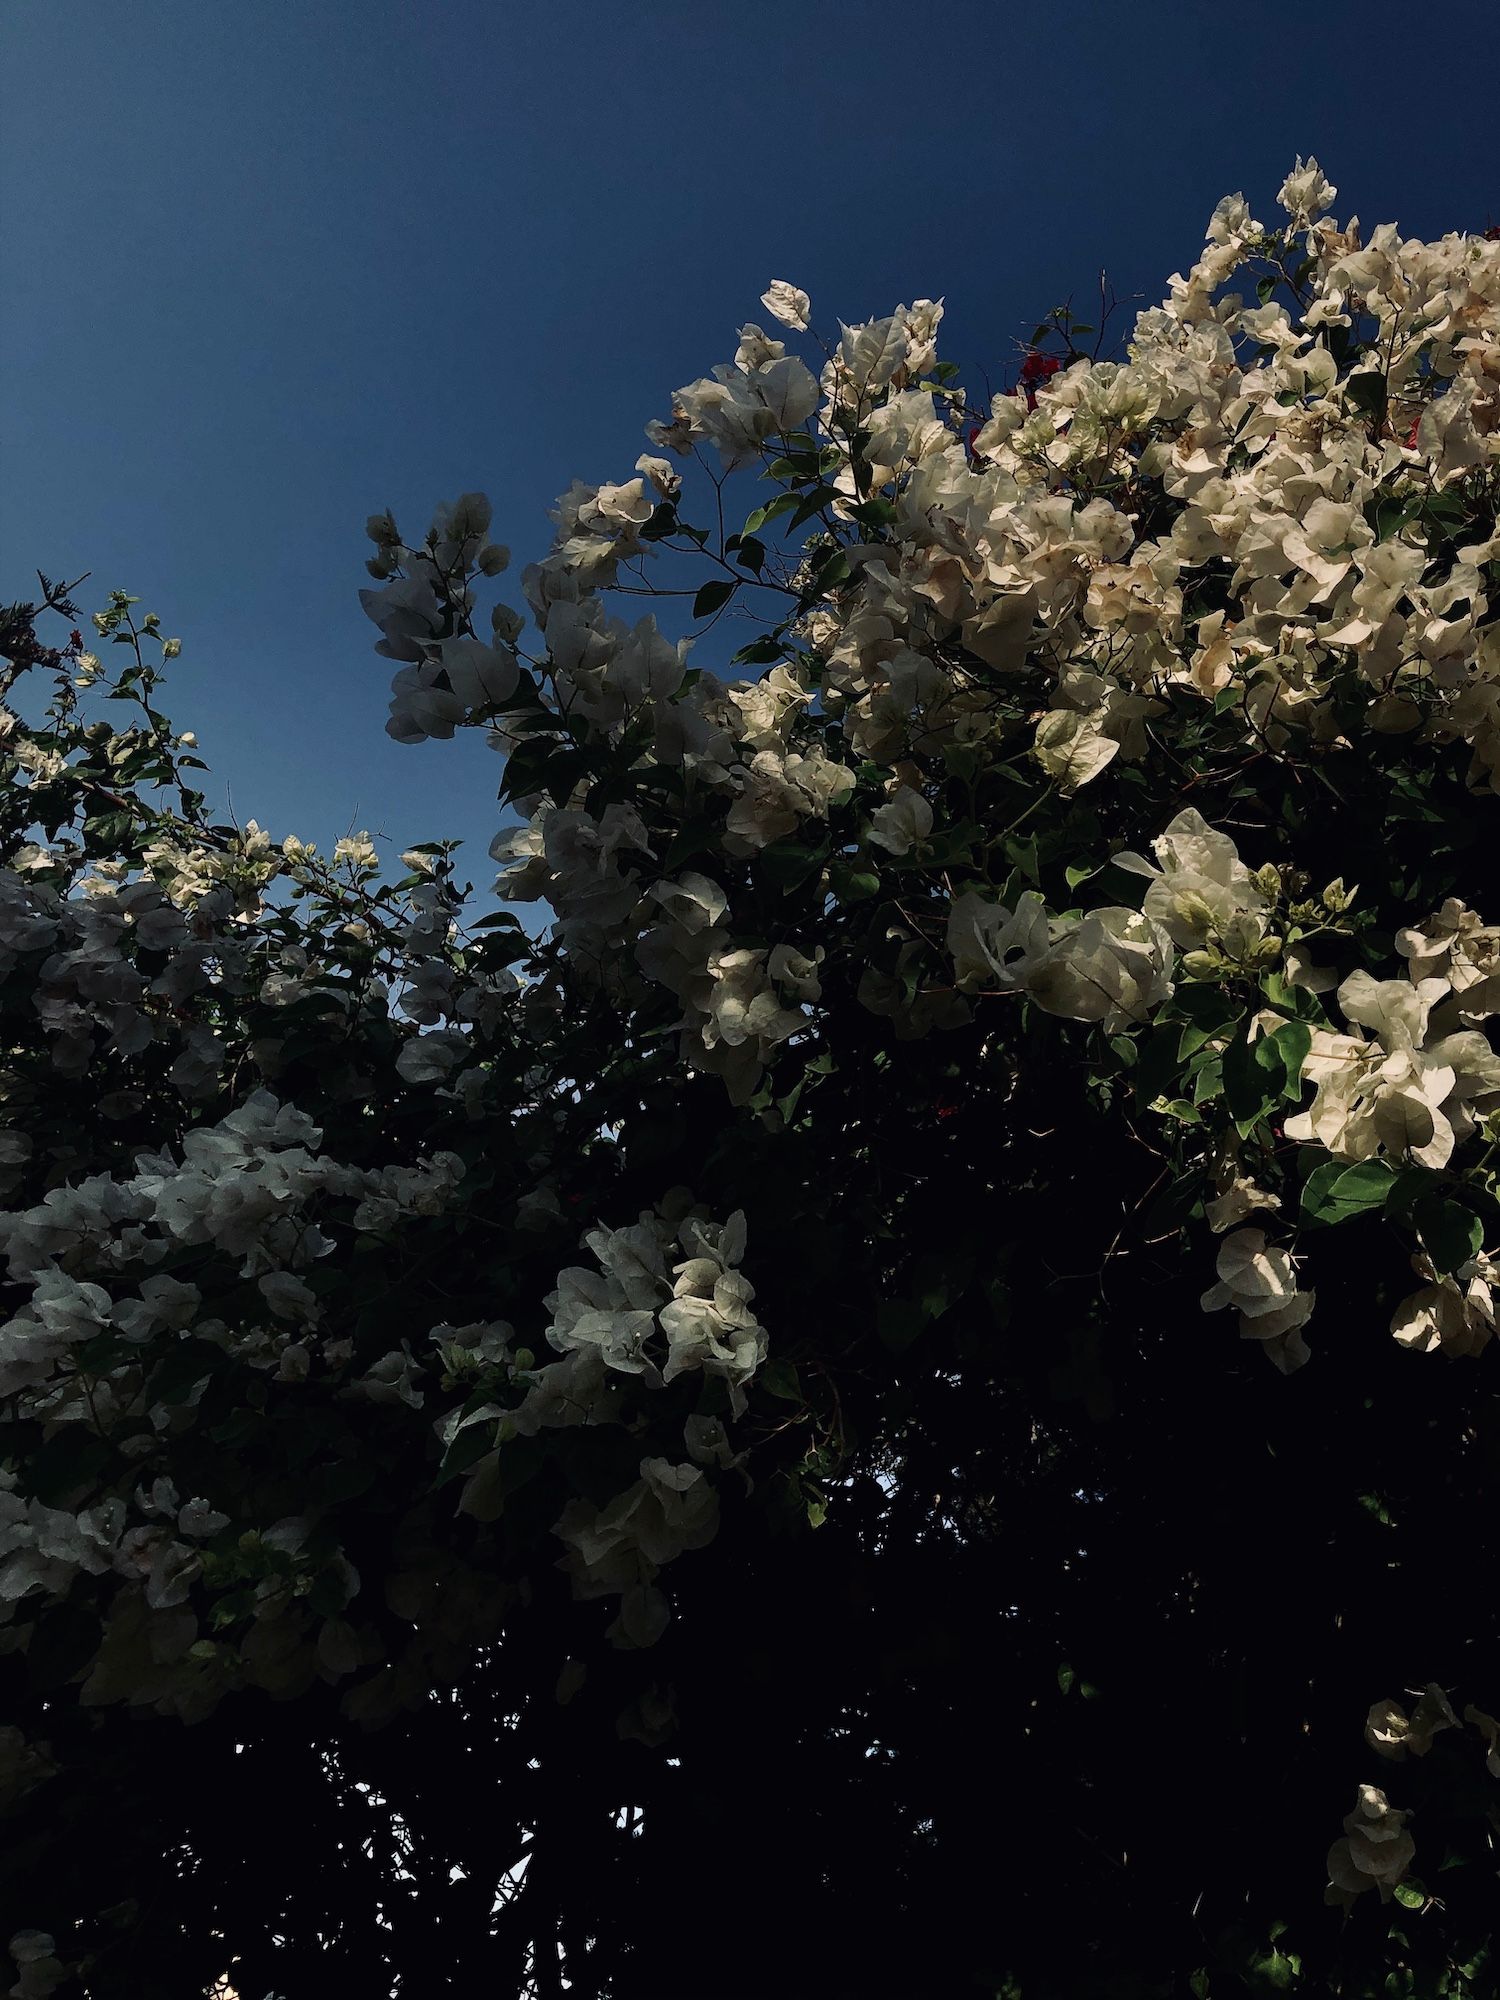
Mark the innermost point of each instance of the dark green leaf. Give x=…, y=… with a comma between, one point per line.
x=1367, y=392
x=787, y=864
x=1253, y=1079
x=899, y=1322
x=779, y=1378
x=1336, y=1191
x=759, y=653
x=1451, y=1233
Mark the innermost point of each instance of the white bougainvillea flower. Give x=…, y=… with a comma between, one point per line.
x=1392, y=1733
x=992, y=946
x=1395, y=1009
x=432, y=1057
x=408, y=614
x=756, y=349
x=735, y=411
x=868, y=357
x=1261, y=1283
x=1325, y=542
x=1199, y=882
x=786, y=303
x=1392, y=1094
x=1252, y=1276
x=1237, y=1198
x=1455, y=1314
x=480, y=675
x=1114, y=966
x=1455, y=945
x=1071, y=748
x=619, y=1548
x=902, y=822
x=1375, y=1853
x=1306, y=192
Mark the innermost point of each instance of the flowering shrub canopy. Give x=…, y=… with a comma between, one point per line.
x=1024, y=891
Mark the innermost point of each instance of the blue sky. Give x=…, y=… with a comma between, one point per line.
x=274, y=265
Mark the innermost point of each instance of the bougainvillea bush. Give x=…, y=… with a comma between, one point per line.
x=889, y=1395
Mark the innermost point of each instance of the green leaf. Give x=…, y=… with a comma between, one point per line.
x=107, y=832
x=1367, y=392
x=876, y=513
x=1207, y=1005
x=810, y=504
x=784, y=503
x=1180, y=1109
x=787, y=864
x=329, y=1594
x=829, y=566
x=759, y=653
x=1451, y=1233
x=465, y=1452
x=349, y=1478
x=662, y=523
x=1336, y=1191
x=1294, y=1000
x=1291, y=1042
x=1254, y=1075
x=68, y=1464
x=1410, y=1186
x=1158, y=1065
x=1022, y=854
x=899, y=1322
x=1411, y=1894
x=859, y=885
x=713, y=596
x=1274, y=1971
x=1208, y=1079
x=779, y=1378
x=1193, y=1039
x=190, y=1362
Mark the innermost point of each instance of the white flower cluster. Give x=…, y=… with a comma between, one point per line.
x=1200, y=888
x=91, y=995
x=1377, y=1850
x=1414, y=1086
x=1375, y=1853
x=638, y=1297
x=739, y=1002
x=1453, y=1313
x=617, y=1549
x=1111, y=965
x=1411, y=1090
x=1261, y=1283
x=1241, y=415
x=101, y=1321
x=639, y=1314
x=1000, y=591
x=448, y=673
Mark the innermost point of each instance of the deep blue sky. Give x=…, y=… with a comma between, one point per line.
x=273, y=265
